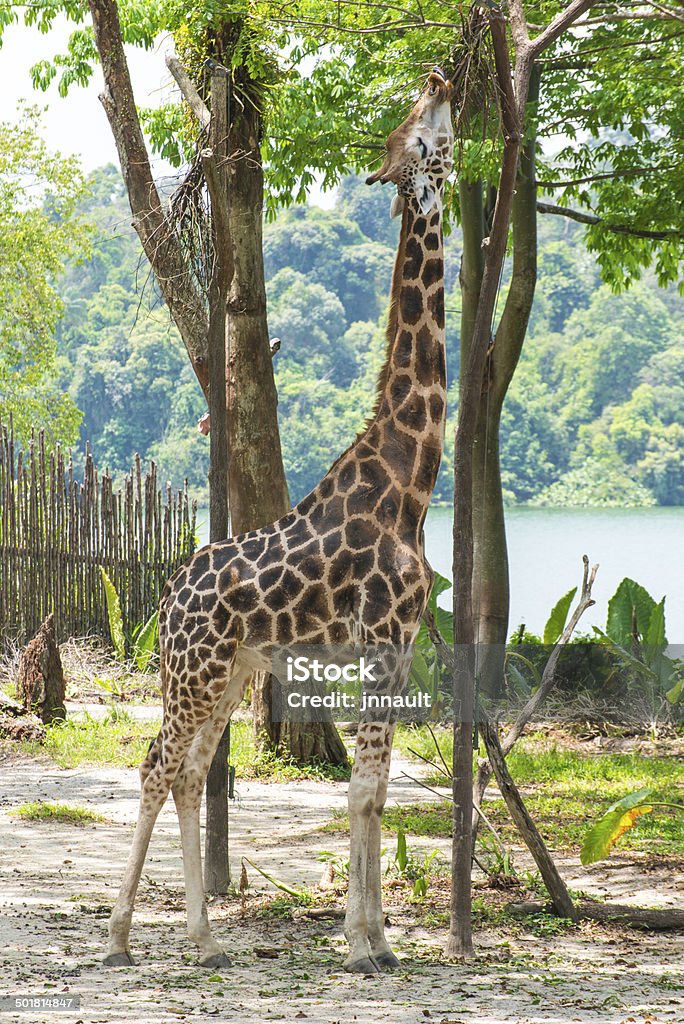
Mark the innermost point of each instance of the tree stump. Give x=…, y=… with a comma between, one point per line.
x=40, y=677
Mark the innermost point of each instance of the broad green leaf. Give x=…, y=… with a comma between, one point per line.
x=114, y=615
x=558, y=617
x=440, y=585
x=420, y=673
x=618, y=819
x=630, y=607
x=655, y=634
x=146, y=642
x=676, y=693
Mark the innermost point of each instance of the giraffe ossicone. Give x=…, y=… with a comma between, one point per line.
x=346, y=564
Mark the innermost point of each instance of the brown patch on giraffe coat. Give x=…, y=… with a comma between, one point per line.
x=373, y=475
x=436, y=403
x=340, y=569
x=378, y=599
x=269, y=577
x=413, y=260
x=435, y=304
x=347, y=476
x=413, y=413
x=432, y=241
x=399, y=450
x=403, y=349
x=284, y=630
x=410, y=519
x=312, y=608
x=259, y=626
x=428, y=466
x=386, y=512
x=432, y=272
x=361, y=533
x=410, y=304
x=331, y=543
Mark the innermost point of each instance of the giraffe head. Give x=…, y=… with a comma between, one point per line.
x=419, y=153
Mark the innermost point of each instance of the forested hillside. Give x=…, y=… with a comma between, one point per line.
x=594, y=415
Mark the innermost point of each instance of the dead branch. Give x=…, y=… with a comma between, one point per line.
x=667, y=919
x=618, y=229
x=190, y=93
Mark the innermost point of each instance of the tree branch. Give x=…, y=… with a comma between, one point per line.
x=549, y=674
x=187, y=88
x=149, y=219
x=560, y=23
x=628, y=172
x=618, y=229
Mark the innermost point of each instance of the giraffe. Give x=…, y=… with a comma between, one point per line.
x=347, y=562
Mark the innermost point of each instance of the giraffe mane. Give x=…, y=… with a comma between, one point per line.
x=390, y=338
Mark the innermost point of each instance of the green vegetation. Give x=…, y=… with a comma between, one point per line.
x=118, y=739
x=563, y=789
x=40, y=230
x=121, y=740
x=69, y=814
x=618, y=819
x=594, y=415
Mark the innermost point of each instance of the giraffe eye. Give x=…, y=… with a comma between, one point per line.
x=423, y=149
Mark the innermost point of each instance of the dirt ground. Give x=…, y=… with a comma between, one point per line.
x=58, y=882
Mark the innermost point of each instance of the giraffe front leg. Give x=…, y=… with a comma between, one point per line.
x=361, y=798
x=380, y=949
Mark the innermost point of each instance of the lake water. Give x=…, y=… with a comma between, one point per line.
x=545, y=555
x=545, y=548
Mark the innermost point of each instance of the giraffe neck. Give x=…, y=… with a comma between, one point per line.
x=408, y=428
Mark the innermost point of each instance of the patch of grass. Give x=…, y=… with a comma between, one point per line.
x=71, y=814
x=118, y=739
x=565, y=791
x=121, y=740
x=426, y=819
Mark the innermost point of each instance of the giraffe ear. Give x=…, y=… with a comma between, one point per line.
x=425, y=193
x=397, y=207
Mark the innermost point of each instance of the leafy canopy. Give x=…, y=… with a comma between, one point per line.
x=40, y=230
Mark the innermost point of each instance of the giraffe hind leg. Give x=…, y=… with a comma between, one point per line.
x=187, y=794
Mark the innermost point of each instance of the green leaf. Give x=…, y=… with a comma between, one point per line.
x=115, y=617
x=440, y=585
x=676, y=693
x=420, y=674
x=283, y=886
x=630, y=607
x=558, y=617
x=402, y=855
x=618, y=819
x=655, y=634
x=146, y=642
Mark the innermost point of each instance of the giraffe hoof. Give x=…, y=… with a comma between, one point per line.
x=387, y=961
x=363, y=966
x=216, y=961
x=119, y=960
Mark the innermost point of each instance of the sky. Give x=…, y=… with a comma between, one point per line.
x=76, y=124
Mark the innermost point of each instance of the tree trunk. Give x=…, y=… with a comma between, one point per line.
x=257, y=487
x=472, y=377
x=491, y=594
x=40, y=677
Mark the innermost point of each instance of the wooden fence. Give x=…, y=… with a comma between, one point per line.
x=56, y=532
